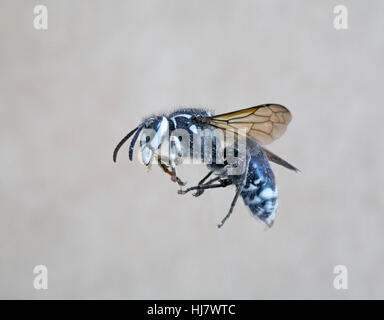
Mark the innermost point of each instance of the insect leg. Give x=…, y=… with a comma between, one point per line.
x=171, y=172
x=200, y=192
x=239, y=188
x=205, y=178
x=209, y=185
x=199, y=187
x=175, y=178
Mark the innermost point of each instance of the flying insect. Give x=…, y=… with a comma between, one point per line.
x=259, y=126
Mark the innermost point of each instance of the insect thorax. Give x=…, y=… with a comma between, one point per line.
x=190, y=139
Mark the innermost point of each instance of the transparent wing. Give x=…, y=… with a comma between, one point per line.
x=276, y=159
x=264, y=123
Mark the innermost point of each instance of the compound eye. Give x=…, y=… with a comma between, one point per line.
x=145, y=137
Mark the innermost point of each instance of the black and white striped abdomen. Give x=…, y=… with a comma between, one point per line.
x=259, y=191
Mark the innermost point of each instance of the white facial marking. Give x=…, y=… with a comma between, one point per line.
x=160, y=134
x=146, y=155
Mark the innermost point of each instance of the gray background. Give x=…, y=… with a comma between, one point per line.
x=105, y=230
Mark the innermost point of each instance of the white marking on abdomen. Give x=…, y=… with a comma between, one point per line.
x=271, y=217
x=268, y=193
x=255, y=200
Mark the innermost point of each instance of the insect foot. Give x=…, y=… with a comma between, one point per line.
x=198, y=193
x=180, y=182
x=181, y=191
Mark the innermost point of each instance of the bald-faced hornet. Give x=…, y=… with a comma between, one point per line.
x=241, y=162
